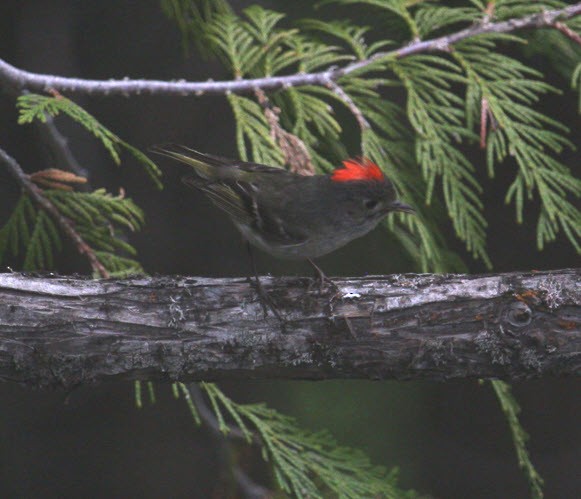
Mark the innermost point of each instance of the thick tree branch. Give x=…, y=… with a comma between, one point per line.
x=66, y=331
x=17, y=79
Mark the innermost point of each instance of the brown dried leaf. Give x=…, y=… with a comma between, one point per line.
x=296, y=154
x=58, y=176
x=50, y=184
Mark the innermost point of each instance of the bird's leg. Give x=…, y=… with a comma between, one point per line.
x=320, y=278
x=265, y=299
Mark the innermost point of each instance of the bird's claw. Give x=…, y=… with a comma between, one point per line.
x=266, y=302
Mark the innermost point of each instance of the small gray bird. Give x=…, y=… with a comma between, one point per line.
x=288, y=215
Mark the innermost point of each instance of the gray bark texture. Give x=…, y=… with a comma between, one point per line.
x=63, y=332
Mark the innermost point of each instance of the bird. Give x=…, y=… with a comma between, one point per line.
x=287, y=215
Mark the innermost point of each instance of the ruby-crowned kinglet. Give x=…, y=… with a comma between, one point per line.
x=289, y=215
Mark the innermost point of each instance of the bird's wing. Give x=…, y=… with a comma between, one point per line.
x=236, y=199
x=234, y=193
x=224, y=196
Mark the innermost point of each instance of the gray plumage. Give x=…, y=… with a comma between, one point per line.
x=285, y=214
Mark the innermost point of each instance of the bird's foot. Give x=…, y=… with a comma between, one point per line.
x=322, y=285
x=321, y=281
x=266, y=301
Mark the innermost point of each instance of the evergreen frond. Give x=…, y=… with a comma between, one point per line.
x=98, y=208
x=36, y=107
x=576, y=82
x=274, y=43
x=306, y=465
x=436, y=113
x=118, y=266
x=312, y=55
x=430, y=18
x=388, y=143
x=236, y=46
x=16, y=231
x=192, y=17
x=262, y=22
x=253, y=136
x=39, y=250
x=217, y=399
x=397, y=7
x=511, y=410
x=314, y=116
x=31, y=230
x=507, y=9
x=99, y=217
x=183, y=389
x=418, y=234
x=306, y=113
x=529, y=137
x=258, y=47
x=353, y=36
x=96, y=216
x=560, y=52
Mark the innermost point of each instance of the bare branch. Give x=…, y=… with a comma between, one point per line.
x=568, y=32
x=348, y=101
x=59, y=145
x=16, y=79
x=65, y=331
x=44, y=203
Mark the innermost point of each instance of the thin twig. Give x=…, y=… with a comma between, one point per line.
x=489, y=12
x=59, y=145
x=484, y=110
x=44, y=203
x=251, y=489
x=346, y=98
x=55, y=140
x=568, y=32
x=14, y=78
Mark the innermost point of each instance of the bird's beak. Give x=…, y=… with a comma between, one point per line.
x=399, y=206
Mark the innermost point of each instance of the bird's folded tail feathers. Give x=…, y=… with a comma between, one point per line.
x=202, y=163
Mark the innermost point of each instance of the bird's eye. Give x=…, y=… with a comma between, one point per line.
x=370, y=204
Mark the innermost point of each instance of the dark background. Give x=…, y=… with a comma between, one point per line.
x=449, y=439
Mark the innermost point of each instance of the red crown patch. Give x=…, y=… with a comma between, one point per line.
x=357, y=169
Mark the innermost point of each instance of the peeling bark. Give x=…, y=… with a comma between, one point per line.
x=62, y=332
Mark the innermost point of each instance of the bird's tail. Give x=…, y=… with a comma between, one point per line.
x=204, y=165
